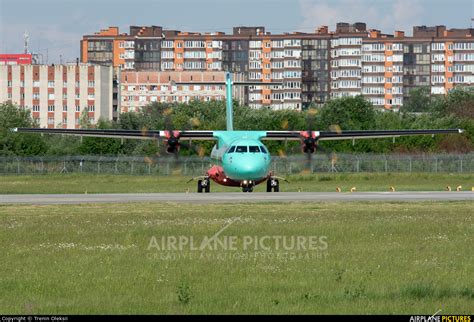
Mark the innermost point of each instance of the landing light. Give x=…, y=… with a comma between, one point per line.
x=245, y=182
x=225, y=180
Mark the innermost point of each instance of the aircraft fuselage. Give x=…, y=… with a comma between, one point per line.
x=244, y=160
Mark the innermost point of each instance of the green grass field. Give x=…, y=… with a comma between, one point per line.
x=408, y=258
x=77, y=183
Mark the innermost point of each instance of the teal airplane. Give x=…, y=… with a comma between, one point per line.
x=244, y=161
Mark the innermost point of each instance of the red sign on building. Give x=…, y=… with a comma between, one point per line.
x=15, y=59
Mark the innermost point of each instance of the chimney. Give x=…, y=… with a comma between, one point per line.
x=374, y=33
x=440, y=30
x=322, y=30
x=399, y=34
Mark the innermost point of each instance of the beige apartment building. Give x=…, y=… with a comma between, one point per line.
x=57, y=95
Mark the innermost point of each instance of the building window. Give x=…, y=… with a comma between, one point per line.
x=65, y=108
x=50, y=108
x=91, y=84
x=36, y=108
x=9, y=84
x=50, y=120
x=78, y=108
x=51, y=84
x=36, y=83
x=91, y=108
x=51, y=96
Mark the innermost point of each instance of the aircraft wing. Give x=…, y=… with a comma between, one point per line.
x=351, y=135
x=123, y=134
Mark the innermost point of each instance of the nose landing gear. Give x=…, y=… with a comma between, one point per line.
x=247, y=186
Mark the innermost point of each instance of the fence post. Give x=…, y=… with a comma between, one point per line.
x=131, y=167
x=460, y=165
x=410, y=164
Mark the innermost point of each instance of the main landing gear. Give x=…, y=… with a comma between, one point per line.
x=204, y=184
x=274, y=184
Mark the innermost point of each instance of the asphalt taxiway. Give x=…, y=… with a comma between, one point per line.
x=235, y=197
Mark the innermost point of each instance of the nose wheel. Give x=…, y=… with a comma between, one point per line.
x=204, y=185
x=273, y=184
x=247, y=189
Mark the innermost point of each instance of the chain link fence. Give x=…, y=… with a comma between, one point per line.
x=193, y=166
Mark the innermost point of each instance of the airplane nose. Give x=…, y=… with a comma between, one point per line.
x=248, y=169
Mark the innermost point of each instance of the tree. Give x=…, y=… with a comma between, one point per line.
x=348, y=113
x=419, y=100
x=12, y=116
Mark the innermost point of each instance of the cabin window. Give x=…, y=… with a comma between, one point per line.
x=254, y=148
x=241, y=149
x=262, y=148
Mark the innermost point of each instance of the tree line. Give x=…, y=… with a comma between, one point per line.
x=420, y=111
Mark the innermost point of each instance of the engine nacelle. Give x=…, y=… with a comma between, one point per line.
x=172, y=145
x=172, y=142
x=308, y=142
x=309, y=145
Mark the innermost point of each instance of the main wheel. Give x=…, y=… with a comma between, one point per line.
x=199, y=186
x=276, y=188
x=207, y=188
x=269, y=185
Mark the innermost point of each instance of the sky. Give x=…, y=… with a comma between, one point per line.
x=55, y=27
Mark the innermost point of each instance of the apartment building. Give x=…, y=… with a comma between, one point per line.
x=57, y=95
x=311, y=67
x=109, y=47
x=140, y=88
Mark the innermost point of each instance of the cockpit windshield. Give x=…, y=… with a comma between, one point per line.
x=249, y=149
x=254, y=149
x=241, y=148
